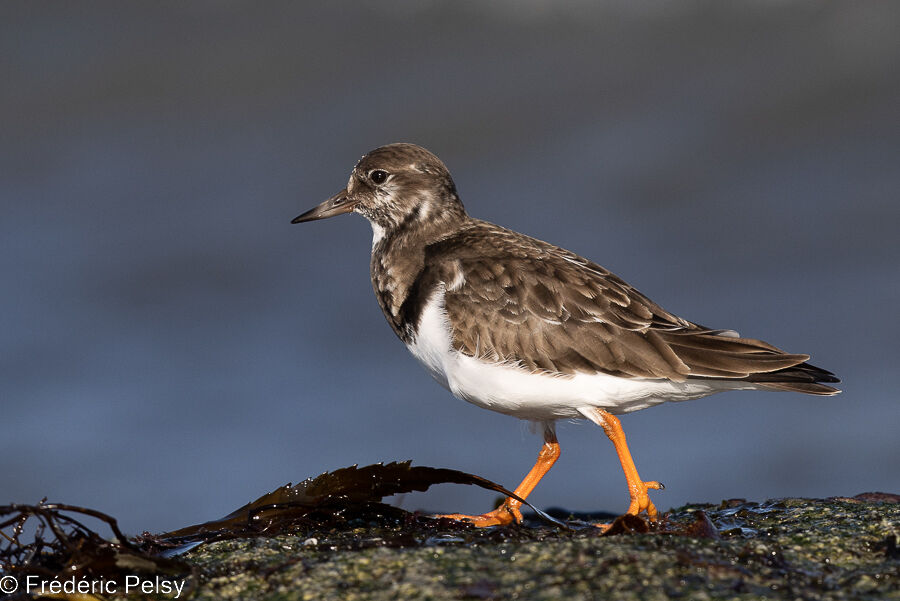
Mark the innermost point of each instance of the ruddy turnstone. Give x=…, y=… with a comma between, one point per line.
x=526, y=328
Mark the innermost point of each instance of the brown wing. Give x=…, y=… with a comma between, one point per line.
x=516, y=299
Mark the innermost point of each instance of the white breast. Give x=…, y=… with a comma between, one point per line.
x=537, y=395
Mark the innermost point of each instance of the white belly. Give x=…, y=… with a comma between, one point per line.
x=539, y=396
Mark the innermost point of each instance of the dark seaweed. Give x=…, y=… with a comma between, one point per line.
x=61, y=543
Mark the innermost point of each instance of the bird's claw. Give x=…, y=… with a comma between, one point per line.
x=502, y=516
x=640, y=500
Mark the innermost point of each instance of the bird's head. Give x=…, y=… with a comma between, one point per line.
x=394, y=187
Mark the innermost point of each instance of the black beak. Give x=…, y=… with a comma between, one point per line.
x=337, y=204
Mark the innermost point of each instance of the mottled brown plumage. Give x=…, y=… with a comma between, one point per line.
x=527, y=302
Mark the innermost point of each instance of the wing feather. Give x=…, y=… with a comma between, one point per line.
x=532, y=304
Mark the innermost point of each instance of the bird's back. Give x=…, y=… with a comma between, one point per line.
x=517, y=300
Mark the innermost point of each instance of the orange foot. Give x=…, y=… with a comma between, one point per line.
x=640, y=500
x=502, y=516
x=509, y=510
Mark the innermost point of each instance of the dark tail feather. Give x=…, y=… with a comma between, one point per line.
x=808, y=388
x=800, y=378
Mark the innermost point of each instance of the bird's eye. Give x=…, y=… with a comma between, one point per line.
x=378, y=176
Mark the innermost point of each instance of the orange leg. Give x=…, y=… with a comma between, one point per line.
x=509, y=510
x=637, y=488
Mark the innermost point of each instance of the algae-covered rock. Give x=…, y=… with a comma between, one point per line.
x=780, y=549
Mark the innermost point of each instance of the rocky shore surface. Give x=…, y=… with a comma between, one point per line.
x=816, y=549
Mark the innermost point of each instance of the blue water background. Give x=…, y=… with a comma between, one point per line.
x=171, y=348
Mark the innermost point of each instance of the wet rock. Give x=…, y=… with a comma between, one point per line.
x=840, y=548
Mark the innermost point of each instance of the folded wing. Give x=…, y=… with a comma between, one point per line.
x=525, y=302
